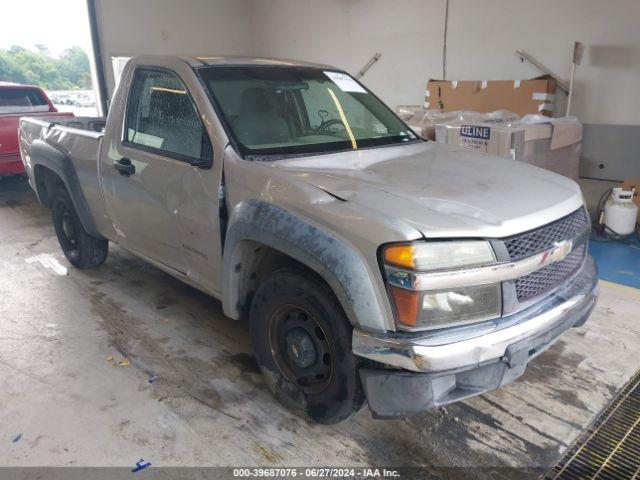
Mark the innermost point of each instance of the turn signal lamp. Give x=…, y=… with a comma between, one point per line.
x=407, y=303
x=416, y=306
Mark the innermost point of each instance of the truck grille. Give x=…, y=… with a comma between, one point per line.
x=540, y=281
x=529, y=243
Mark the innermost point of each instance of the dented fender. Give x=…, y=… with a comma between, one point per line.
x=258, y=222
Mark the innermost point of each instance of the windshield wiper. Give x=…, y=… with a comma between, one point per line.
x=283, y=156
x=366, y=144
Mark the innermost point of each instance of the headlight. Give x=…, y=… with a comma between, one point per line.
x=428, y=256
x=419, y=308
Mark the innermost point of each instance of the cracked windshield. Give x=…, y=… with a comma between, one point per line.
x=292, y=111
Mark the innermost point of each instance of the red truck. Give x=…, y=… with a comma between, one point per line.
x=19, y=101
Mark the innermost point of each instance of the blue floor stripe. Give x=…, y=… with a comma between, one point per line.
x=617, y=262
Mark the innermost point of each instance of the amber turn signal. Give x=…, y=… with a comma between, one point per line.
x=407, y=303
x=400, y=255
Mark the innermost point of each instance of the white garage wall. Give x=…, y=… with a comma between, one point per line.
x=347, y=33
x=180, y=27
x=482, y=36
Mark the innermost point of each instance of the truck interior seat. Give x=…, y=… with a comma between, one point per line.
x=258, y=122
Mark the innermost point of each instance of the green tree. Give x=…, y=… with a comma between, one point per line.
x=69, y=71
x=8, y=70
x=74, y=66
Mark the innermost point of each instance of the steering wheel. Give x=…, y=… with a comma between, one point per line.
x=325, y=126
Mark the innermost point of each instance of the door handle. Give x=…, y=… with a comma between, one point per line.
x=125, y=167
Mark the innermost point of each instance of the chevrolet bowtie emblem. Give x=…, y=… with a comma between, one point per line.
x=559, y=252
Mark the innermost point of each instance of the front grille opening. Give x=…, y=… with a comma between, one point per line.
x=545, y=279
x=529, y=243
x=610, y=448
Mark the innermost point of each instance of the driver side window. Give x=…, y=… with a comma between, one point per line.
x=161, y=116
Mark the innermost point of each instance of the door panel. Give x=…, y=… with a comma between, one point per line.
x=158, y=201
x=200, y=227
x=144, y=205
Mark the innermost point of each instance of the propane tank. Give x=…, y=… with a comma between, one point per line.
x=620, y=212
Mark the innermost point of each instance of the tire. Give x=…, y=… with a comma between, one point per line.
x=81, y=249
x=291, y=310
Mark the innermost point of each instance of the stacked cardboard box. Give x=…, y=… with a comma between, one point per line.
x=535, y=96
x=553, y=144
x=509, y=118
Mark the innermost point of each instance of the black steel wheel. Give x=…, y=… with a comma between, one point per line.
x=81, y=249
x=69, y=234
x=301, y=348
x=302, y=342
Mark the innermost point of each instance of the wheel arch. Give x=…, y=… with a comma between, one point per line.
x=259, y=230
x=53, y=168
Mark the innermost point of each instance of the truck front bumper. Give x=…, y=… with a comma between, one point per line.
x=419, y=372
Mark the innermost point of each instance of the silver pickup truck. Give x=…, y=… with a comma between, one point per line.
x=371, y=265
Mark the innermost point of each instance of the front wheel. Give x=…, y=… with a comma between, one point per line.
x=81, y=249
x=302, y=342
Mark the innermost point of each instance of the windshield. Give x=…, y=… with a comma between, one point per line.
x=276, y=110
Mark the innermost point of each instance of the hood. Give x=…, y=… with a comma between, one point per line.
x=442, y=191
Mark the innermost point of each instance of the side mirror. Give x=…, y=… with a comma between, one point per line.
x=206, y=153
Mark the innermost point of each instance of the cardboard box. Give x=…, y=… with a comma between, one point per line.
x=487, y=137
x=630, y=184
x=553, y=144
x=535, y=96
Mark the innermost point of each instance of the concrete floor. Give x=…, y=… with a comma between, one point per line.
x=209, y=406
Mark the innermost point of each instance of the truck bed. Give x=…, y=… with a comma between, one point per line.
x=93, y=124
x=79, y=139
x=10, y=163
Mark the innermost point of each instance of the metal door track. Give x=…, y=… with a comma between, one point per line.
x=610, y=448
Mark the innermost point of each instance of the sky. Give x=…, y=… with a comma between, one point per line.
x=58, y=24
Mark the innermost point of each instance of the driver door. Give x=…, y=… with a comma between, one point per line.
x=153, y=172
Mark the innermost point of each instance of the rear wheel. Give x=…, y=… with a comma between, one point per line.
x=302, y=341
x=81, y=249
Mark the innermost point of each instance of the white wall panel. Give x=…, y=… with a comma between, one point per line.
x=347, y=33
x=181, y=27
x=482, y=36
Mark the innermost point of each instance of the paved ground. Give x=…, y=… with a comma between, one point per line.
x=209, y=406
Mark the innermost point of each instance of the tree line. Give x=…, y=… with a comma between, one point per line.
x=38, y=67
